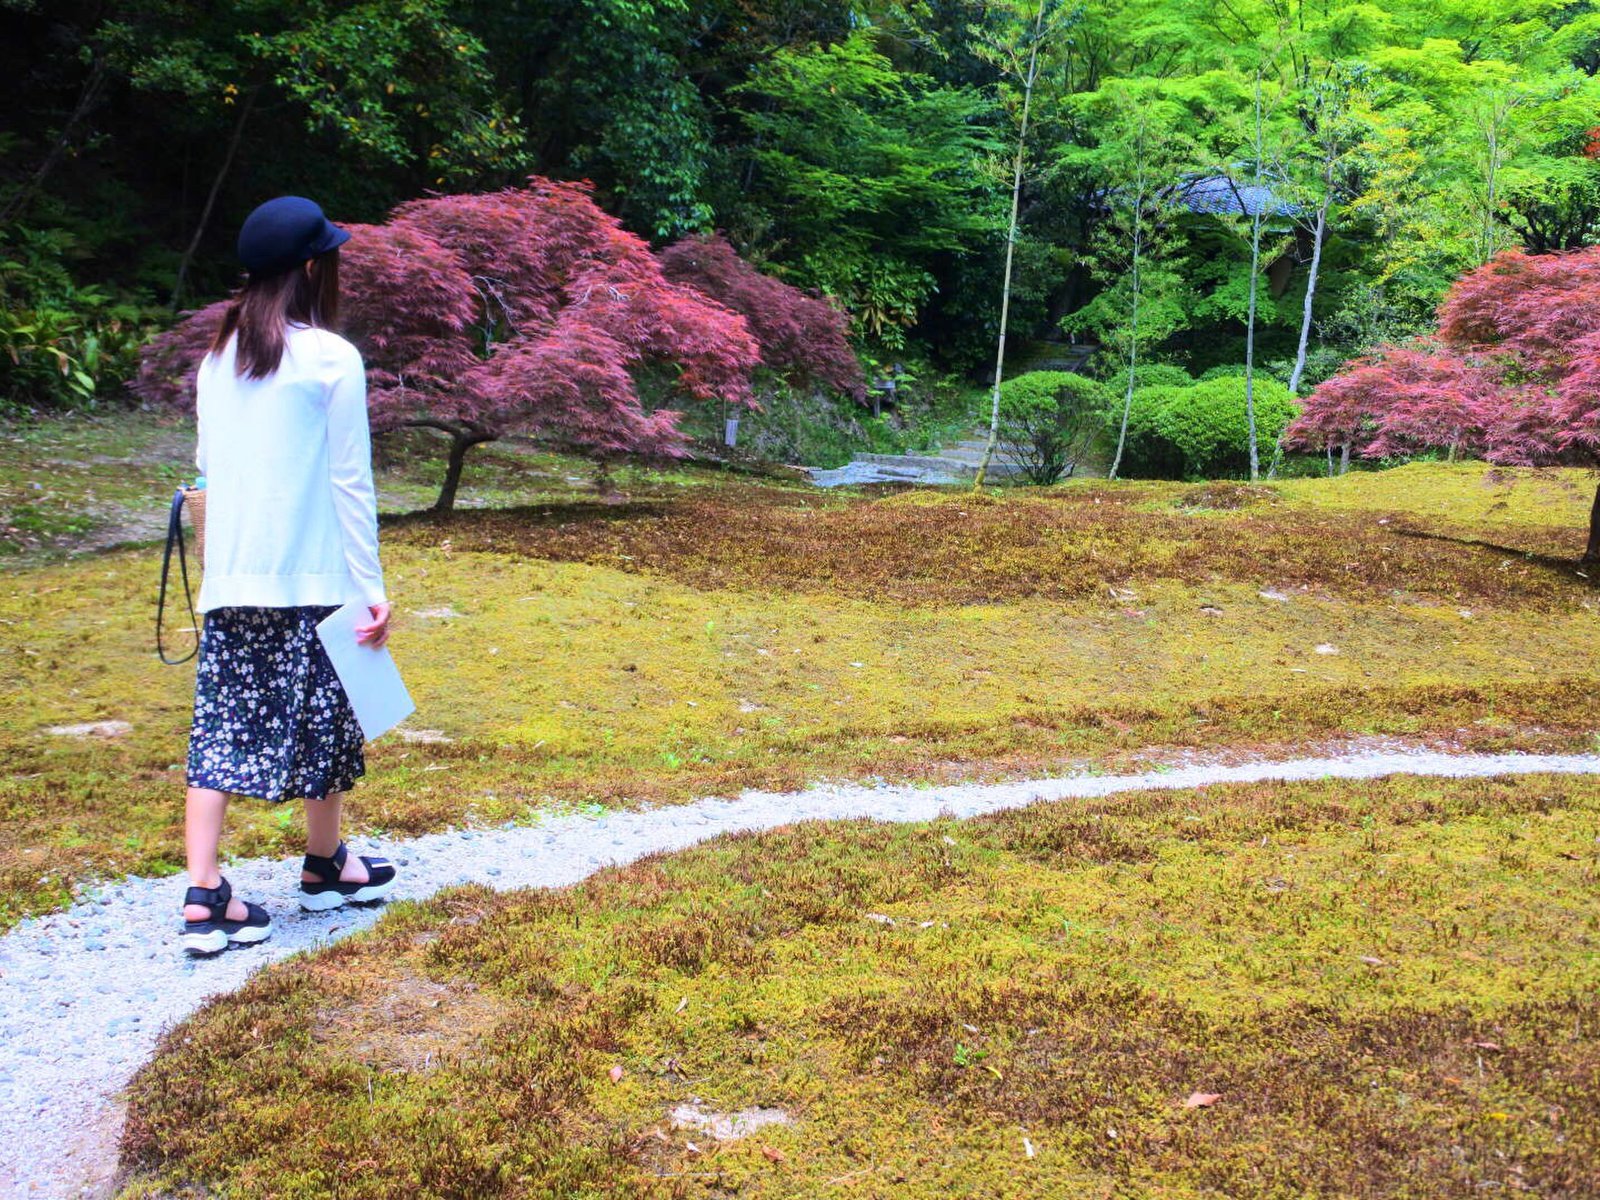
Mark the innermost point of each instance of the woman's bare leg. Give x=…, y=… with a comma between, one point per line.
x=203, y=811
x=322, y=838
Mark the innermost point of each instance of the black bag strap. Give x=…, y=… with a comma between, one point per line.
x=175, y=538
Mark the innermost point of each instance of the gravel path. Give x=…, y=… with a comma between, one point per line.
x=84, y=993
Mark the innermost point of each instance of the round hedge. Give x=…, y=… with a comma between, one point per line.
x=1201, y=431
x=1049, y=391
x=1149, y=375
x=1049, y=418
x=1148, y=454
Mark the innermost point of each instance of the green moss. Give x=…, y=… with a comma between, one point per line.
x=1470, y=493
x=762, y=637
x=1391, y=985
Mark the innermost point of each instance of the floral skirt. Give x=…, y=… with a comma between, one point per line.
x=270, y=716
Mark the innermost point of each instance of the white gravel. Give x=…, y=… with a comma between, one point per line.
x=84, y=993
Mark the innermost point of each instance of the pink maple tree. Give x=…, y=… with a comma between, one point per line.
x=1513, y=375
x=803, y=336
x=406, y=300
x=524, y=310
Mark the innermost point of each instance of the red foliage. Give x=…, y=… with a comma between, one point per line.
x=1514, y=375
x=410, y=305
x=564, y=385
x=1531, y=306
x=167, y=365
x=801, y=335
x=583, y=301
x=569, y=302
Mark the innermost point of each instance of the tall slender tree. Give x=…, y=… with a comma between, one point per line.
x=1017, y=58
x=1258, y=209
x=1136, y=163
x=1332, y=114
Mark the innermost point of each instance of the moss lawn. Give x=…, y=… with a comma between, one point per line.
x=712, y=633
x=1327, y=989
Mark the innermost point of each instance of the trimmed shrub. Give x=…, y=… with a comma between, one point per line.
x=1201, y=432
x=1148, y=454
x=1048, y=419
x=1148, y=375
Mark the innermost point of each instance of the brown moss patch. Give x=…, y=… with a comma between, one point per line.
x=1406, y=1103
x=1068, y=544
x=407, y=1024
x=1225, y=496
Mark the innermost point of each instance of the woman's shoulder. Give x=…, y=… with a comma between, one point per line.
x=328, y=345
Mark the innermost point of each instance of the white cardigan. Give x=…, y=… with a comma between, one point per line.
x=291, y=516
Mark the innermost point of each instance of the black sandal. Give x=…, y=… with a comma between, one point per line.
x=212, y=935
x=330, y=891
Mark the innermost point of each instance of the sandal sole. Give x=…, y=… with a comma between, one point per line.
x=327, y=901
x=216, y=941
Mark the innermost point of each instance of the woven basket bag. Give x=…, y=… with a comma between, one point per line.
x=194, y=503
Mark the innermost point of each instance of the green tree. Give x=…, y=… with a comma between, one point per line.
x=1016, y=55
x=866, y=174
x=386, y=85
x=1322, y=167
x=1048, y=419
x=1140, y=155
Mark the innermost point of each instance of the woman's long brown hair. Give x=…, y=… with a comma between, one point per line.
x=260, y=313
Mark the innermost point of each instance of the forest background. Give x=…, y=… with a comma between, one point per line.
x=1298, y=182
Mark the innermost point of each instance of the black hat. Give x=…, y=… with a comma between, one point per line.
x=284, y=233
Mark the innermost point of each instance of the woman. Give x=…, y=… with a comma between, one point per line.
x=291, y=534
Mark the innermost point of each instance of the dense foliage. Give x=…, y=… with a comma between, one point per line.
x=1198, y=431
x=1202, y=182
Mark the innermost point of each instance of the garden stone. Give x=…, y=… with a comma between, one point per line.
x=88, y=729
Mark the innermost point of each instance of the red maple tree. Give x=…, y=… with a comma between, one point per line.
x=802, y=335
x=524, y=310
x=1512, y=376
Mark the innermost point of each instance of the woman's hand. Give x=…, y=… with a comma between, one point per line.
x=377, y=633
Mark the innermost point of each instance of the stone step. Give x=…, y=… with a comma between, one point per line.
x=972, y=450
x=927, y=462
x=997, y=465
x=957, y=462
x=855, y=473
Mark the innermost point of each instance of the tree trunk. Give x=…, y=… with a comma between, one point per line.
x=211, y=197
x=1311, y=291
x=1592, y=553
x=1255, y=287
x=1133, y=339
x=17, y=204
x=1344, y=459
x=1250, y=349
x=464, y=435
x=1011, y=245
x=460, y=443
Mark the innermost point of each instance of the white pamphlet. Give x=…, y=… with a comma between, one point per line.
x=369, y=676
